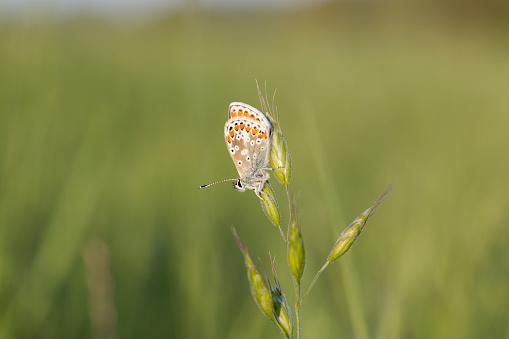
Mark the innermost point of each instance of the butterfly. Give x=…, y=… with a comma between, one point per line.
x=248, y=136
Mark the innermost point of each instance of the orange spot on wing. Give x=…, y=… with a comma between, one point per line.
x=248, y=128
x=228, y=138
x=236, y=127
x=246, y=114
x=254, y=131
x=260, y=135
x=232, y=133
x=241, y=126
x=234, y=114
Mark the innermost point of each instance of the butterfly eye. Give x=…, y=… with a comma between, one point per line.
x=238, y=186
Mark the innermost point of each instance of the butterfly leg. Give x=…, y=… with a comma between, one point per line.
x=259, y=191
x=272, y=168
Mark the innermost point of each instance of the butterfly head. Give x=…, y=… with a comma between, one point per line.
x=239, y=186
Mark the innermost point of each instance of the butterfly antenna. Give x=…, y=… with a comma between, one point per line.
x=217, y=182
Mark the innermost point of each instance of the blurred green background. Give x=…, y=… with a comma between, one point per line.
x=108, y=127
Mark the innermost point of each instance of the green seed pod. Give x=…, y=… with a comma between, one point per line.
x=280, y=159
x=282, y=310
x=296, y=252
x=352, y=232
x=283, y=318
x=348, y=237
x=269, y=205
x=261, y=294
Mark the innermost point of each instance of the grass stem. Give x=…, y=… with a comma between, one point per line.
x=313, y=282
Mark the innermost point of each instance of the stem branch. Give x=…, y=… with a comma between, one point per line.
x=313, y=282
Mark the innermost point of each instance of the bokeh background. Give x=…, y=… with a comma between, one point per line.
x=111, y=118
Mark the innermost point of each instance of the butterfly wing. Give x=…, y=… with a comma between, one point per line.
x=248, y=139
x=239, y=109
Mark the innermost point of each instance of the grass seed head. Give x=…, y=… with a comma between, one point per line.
x=269, y=205
x=259, y=290
x=282, y=310
x=280, y=159
x=352, y=232
x=296, y=252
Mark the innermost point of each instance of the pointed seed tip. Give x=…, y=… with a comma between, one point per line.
x=239, y=242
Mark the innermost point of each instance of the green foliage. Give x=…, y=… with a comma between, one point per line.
x=106, y=131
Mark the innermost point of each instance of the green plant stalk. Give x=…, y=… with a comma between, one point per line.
x=296, y=287
x=282, y=235
x=289, y=209
x=314, y=281
x=296, y=284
